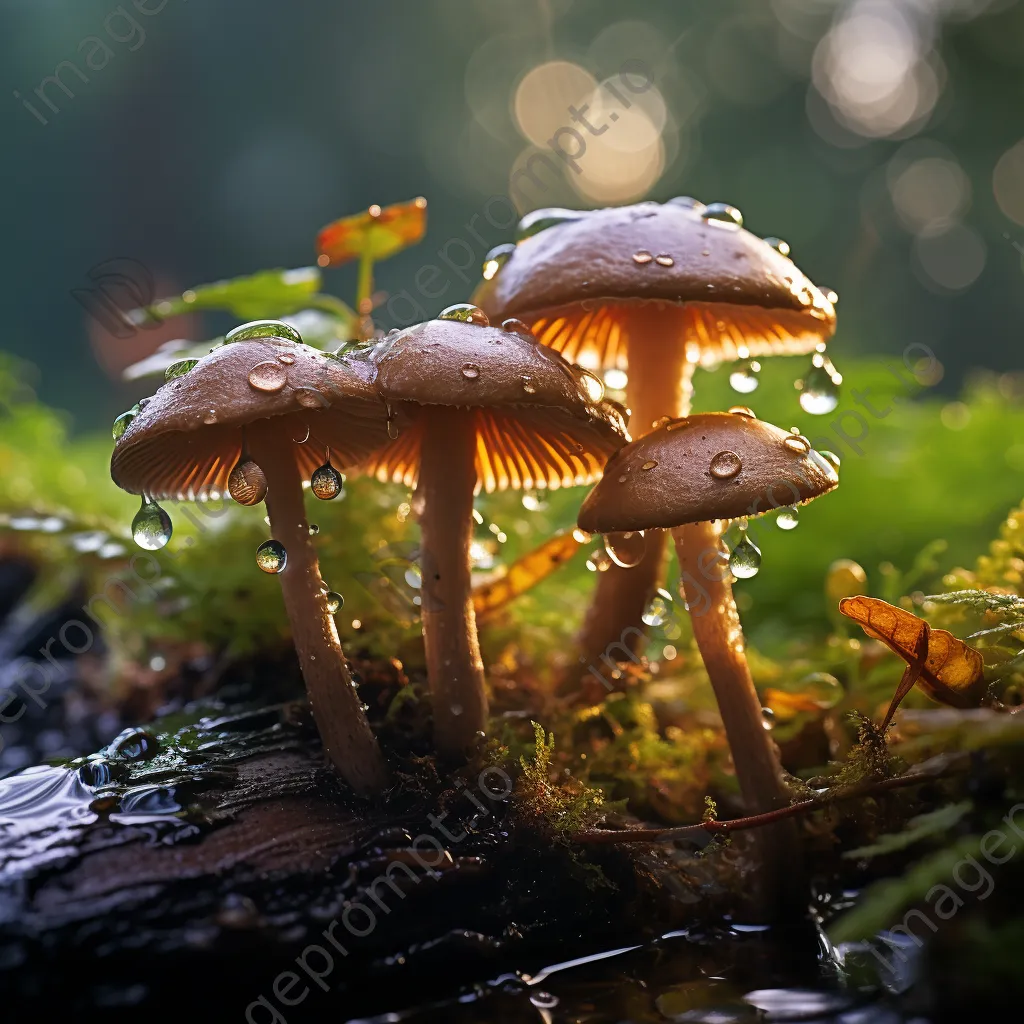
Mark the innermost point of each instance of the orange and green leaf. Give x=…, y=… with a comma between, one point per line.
x=376, y=233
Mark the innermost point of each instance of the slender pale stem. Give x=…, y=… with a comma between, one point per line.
x=364, y=294
x=716, y=627
x=659, y=385
x=347, y=738
x=444, y=496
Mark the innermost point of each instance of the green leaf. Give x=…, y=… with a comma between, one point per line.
x=921, y=827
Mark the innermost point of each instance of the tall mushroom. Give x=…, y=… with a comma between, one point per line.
x=661, y=288
x=489, y=409
x=690, y=475
x=255, y=418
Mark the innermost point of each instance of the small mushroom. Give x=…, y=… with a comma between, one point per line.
x=664, y=288
x=490, y=409
x=256, y=418
x=709, y=468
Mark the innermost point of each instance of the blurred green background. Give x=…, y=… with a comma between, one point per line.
x=881, y=138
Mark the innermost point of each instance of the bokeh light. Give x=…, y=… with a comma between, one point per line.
x=1008, y=183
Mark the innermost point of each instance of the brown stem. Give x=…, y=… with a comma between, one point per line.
x=346, y=734
x=444, y=495
x=660, y=835
x=716, y=627
x=660, y=380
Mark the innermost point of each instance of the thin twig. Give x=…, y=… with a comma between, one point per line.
x=659, y=835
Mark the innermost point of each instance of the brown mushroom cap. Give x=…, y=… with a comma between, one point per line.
x=665, y=479
x=189, y=436
x=574, y=282
x=540, y=422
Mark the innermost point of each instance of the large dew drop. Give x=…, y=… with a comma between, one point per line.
x=179, y=369
x=540, y=220
x=151, y=527
x=725, y=465
x=465, y=312
x=724, y=214
x=514, y=326
x=269, y=376
x=263, y=329
x=788, y=518
x=121, y=424
x=335, y=602
x=326, y=482
x=271, y=556
x=626, y=550
x=247, y=483
x=819, y=390
x=744, y=378
x=745, y=559
x=496, y=259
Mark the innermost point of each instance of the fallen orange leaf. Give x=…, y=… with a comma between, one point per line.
x=378, y=232
x=948, y=670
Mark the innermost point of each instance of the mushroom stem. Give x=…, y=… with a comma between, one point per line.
x=444, y=495
x=716, y=627
x=347, y=738
x=660, y=384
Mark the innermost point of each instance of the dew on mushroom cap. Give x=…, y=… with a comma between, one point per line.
x=257, y=329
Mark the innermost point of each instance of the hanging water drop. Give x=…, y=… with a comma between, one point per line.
x=745, y=559
x=263, y=329
x=179, y=369
x=271, y=556
x=778, y=245
x=335, y=602
x=121, y=424
x=269, y=376
x=724, y=214
x=471, y=371
x=314, y=530
x=626, y=549
x=767, y=719
x=659, y=610
x=540, y=220
x=725, y=465
x=496, y=258
x=744, y=378
x=326, y=482
x=788, y=518
x=151, y=527
x=466, y=313
x=247, y=483
x=819, y=390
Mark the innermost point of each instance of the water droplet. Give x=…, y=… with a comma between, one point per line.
x=725, y=465
x=743, y=410
x=514, y=326
x=544, y=1000
x=824, y=689
x=744, y=378
x=247, y=483
x=649, y=464
x=687, y=202
x=496, y=259
x=269, y=376
x=591, y=384
x=528, y=385
x=642, y=257
x=393, y=430
x=313, y=529
x=456, y=709
x=723, y=213
x=664, y=260
x=121, y=424
x=335, y=602
x=271, y=556
x=659, y=610
x=580, y=536
x=797, y=443
x=326, y=482
x=540, y=220
x=625, y=549
x=470, y=371
x=745, y=559
x=466, y=313
x=830, y=457
x=210, y=417
x=287, y=358
x=788, y=518
x=151, y=527
x=778, y=245
x=819, y=390
x=768, y=719
x=263, y=329
x=134, y=745
x=599, y=561
x=179, y=369
x=310, y=398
